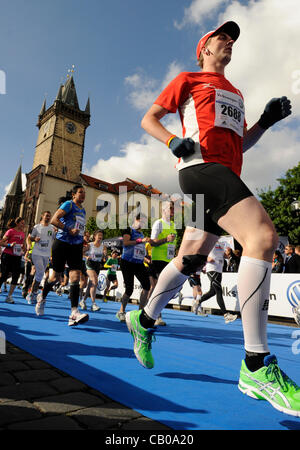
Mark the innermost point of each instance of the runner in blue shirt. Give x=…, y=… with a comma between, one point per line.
x=67, y=249
x=132, y=264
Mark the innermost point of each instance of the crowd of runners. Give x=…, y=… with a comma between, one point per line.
x=61, y=256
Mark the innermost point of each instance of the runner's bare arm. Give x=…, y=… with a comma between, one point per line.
x=251, y=136
x=56, y=219
x=57, y=222
x=151, y=123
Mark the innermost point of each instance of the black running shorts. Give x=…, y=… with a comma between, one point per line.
x=93, y=265
x=157, y=267
x=131, y=270
x=221, y=189
x=64, y=253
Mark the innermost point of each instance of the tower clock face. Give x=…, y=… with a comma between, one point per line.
x=70, y=127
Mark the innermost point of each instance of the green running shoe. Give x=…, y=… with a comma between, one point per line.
x=271, y=384
x=142, y=338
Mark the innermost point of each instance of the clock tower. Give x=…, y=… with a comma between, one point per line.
x=60, y=142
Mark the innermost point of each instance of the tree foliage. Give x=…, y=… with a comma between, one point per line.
x=91, y=225
x=277, y=203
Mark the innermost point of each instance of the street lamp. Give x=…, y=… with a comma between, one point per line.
x=295, y=208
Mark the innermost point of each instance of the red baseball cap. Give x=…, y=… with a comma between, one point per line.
x=231, y=28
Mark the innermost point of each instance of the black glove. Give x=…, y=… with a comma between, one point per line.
x=277, y=109
x=182, y=147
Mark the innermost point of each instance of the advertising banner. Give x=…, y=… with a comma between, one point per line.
x=284, y=292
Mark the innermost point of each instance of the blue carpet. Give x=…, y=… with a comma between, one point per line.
x=193, y=385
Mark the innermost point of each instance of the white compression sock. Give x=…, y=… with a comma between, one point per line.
x=169, y=283
x=253, y=292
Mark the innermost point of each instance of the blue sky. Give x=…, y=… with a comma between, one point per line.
x=106, y=41
x=122, y=52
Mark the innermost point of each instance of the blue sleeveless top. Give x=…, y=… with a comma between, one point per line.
x=74, y=218
x=134, y=253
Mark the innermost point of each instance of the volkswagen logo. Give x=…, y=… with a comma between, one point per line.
x=101, y=282
x=293, y=293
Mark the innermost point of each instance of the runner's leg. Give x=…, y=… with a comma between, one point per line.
x=257, y=236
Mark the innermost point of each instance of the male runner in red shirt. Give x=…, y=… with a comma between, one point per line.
x=214, y=139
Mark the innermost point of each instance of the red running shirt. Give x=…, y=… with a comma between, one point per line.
x=212, y=114
x=14, y=236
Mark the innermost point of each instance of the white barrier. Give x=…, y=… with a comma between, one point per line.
x=284, y=292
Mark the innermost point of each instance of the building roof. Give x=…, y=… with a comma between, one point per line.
x=131, y=185
x=98, y=184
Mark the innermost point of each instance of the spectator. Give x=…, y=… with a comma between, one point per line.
x=232, y=261
x=292, y=260
x=277, y=263
x=237, y=254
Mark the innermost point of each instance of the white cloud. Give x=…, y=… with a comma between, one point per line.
x=273, y=155
x=266, y=55
x=148, y=161
x=265, y=64
x=145, y=89
x=199, y=11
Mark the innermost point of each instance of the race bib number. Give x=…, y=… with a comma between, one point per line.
x=171, y=251
x=44, y=244
x=139, y=252
x=80, y=225
x=96, y=256
x=17, y=249
x=229, y=111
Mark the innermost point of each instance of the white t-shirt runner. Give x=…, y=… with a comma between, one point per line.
x=217, y=254
x=46, y=233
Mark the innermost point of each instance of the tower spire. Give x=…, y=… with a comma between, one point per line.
x=59, y=93
x=16, y=186
x=69, y=95
x=88, y=108
x=43, y=108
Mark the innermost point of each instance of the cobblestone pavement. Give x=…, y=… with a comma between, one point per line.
x=36, y=396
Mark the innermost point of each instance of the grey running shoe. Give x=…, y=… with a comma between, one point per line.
x=76, y=318
x=230, y=317
x=121, y=316
x=160, y=322
x=40, y=307
x=82, y=304
x=95, y=307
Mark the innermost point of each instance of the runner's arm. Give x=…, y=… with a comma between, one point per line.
x=151, y=123
x=127, y=240
x=59, y=214
x=252, y=136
